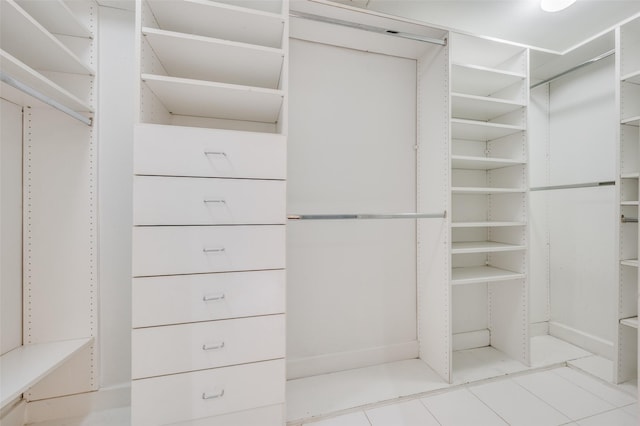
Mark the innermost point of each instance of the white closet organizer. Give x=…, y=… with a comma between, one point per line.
x=489, y=184
x=628, y=97
x=209, y=213
x=47, y=62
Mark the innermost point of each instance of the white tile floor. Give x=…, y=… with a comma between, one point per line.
x=561, y=396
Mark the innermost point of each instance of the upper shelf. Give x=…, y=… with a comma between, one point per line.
x=481, y=107
x=482, y=274
x=56, y=17
x=218, y=20
x=216, y=100
x=480, y=130
x=485, y=224
x=630, y=322
x=485, y=191
x=26, y=39
x=483, y=247
x=481, y=81
x=481, y=163
x=26, y=365
x=631, y=121
x=35, y=80
x=205, y=58
x=633, y=77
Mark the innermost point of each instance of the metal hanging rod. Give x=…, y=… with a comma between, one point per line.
x=367, y=216
x=577, y=67
x=369, y=28
x=43, y=98
x=572, y=186
x=628, y=219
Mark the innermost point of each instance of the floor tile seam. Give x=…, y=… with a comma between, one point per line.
x=487, y=405
x=545, y=402
x=586, y=390
x=600, y=379
x=604, y=412
x=366, y=416
x=420, y=400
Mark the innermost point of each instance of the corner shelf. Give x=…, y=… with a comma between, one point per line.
x=205, y=58
x=25, y=38
x=481, y=163
x=26, y=365
x=218, y=100
x=481, y=81
x=486, y=191
x=481, y=108
x=218, y=20
x=483, y=247
x=482, y=274
x=56, y=17
x=480, y=130
x=630, y=322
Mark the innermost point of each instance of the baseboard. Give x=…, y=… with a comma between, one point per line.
x=78, y=405
x=323, y=364
x=13, y=415
x=471, y=339
x=538, y=329
x=586, y=341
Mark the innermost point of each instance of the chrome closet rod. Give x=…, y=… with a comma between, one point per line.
x=577, y=67
x=43, y=98
x=370, y=28
x=571, y=186
x=367, y=216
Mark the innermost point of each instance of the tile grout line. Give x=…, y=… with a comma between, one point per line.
x=545, y=402
x=429, y=411
x=487, y=405
x=587, y=390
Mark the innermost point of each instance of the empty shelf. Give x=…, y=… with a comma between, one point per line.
x=485, y=224
x=208, y=99
x=629, y=262
x=21, y=72
x=630, y=322
x=205, y=58
x=481, y=163
x=480, y=107
x=632, y=175
x=481, y=130
x=631, y=121
x=483, y=247
x=26, y=365
x=218, y=20
x=629, y=203
x=633, y=77
x=481, y=81
x=485, y=191
x=482, y=274
x=23, y=37
x=56, y=17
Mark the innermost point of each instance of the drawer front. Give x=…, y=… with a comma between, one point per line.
x=158, y=351
x=182, y=397
x=272, y=415
x=170, y=250
x=204, y=297
x=191, y=151
x=205, y=201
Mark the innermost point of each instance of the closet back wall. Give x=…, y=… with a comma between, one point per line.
x=351, y=283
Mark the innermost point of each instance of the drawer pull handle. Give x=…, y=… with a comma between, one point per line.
x=212, y=346
x=213, y=201
x=206, y=395
x=223, y=154
x=213, y=297
x=213, y=250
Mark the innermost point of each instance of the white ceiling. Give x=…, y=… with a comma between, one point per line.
x=520, y=21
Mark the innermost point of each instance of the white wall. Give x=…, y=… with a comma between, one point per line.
x=115, y=94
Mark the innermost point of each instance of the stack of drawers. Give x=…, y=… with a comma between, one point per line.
x=208, y=337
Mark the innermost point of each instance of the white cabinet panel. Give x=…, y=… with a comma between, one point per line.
x=181, y=397
x=204, y=297
x=190, y=151
x=170, y=250
x=204, y=201
x=188, y=347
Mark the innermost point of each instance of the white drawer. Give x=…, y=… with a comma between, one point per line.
x=207, y=201
x=157, y=351
x=182, y=397
x=170, y=250
x=203, y=297
x=272, y=415
x=191, y=151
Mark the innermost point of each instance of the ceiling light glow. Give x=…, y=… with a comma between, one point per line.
x=555, y=5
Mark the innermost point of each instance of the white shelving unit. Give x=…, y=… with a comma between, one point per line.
x=48, y=61
x=489, y=192
x=628, y=99
x=211, y=131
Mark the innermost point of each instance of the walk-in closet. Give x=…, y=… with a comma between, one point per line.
x=290, y=212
